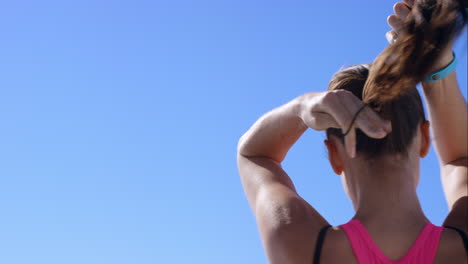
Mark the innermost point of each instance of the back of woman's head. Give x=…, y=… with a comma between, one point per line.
x=405, y=113
x=388, y=86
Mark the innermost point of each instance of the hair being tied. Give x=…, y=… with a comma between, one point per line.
x=428, y=29
x=388, y=86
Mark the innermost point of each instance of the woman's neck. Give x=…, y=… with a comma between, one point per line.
x=385, y=194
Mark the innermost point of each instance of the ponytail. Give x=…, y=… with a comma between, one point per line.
x=428, y=29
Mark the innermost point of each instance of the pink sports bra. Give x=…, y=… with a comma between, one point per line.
x=366, y=251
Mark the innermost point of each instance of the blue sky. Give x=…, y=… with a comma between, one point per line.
x=120, y=120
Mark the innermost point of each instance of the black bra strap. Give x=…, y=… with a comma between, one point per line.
x=318, y=247
x=462, y=234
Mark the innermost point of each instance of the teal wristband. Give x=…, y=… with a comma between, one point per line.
x=440, y=74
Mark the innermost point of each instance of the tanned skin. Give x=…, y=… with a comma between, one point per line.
x=289, y=225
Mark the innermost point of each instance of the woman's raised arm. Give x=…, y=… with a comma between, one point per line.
x=449, y=125
x=282, y=215
x=275, y=132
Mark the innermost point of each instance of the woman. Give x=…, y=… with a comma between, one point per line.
x=375, y=147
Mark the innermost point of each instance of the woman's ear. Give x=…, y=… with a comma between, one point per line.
x=334, y=157
x=425, y=139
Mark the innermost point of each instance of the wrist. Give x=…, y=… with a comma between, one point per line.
x=297, y=107
x=304, y=104
x=446, y=57
x=442, y=72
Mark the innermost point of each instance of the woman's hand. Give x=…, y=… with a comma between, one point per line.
x=396, y=22
x=336, y=109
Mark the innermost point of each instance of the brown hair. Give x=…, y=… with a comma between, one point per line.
x=389, y=85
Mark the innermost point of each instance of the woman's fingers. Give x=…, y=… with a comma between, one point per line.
x=342, y=109
x=343, y=106
x=410, y=3
x=372, y=124
x=350, y=143
x=364, y=117
x=402, y=10
x=395, y=22
x=391, y=36
x=322, y=121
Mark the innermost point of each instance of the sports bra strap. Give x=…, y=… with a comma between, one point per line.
x=462, y=234
x=318, y=247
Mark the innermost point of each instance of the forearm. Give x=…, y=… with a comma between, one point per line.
x=448, y=117
x=274, y=133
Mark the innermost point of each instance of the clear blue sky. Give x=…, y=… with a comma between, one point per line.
x=120, y=120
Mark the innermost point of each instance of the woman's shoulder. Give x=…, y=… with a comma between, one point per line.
x=451, y=248
x=336, y=248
